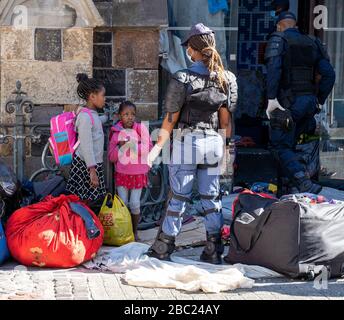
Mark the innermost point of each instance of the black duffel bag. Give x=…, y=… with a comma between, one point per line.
x=292, y=238
x=9, y=191
x=8, y=181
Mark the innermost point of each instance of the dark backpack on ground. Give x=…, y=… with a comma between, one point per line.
x=8, y=181
x=33, y=192
x=295, y=239
x=54, y=186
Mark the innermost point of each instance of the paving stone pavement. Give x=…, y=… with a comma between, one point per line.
x=19, y=283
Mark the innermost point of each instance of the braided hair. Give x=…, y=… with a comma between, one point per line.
x=206, y=45
x=87, y=86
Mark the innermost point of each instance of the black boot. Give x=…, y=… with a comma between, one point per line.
x=305, y=185
x=163, y=247
x=135, y=219
x=213, y=249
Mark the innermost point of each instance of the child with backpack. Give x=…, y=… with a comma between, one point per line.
x=86, y=178
x=129, y=148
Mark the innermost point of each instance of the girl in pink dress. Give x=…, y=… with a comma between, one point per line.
x=129, y=148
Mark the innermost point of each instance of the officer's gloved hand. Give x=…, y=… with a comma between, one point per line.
x=320, y=106
x=272, y=106
x=152, y=156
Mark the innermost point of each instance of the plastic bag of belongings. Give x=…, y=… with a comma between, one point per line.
x=58, y=232
x=4, y=253
x=8, y=192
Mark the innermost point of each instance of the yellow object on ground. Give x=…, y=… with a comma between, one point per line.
x=116, y=221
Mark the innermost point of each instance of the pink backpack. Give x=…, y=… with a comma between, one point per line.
x=63, y=136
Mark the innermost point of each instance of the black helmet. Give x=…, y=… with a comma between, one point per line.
x=281, y=5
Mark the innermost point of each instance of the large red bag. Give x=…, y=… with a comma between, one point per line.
x=50, y=234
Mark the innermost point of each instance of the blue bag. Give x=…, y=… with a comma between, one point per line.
x=4, y=253
x=216, y=6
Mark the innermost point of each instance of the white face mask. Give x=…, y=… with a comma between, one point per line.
x=188, y=55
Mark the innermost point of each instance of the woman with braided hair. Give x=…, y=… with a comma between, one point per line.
x=86, y=178
x=199, y=102
x=205, y=45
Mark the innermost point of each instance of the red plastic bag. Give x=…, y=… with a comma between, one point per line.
x=49, y=234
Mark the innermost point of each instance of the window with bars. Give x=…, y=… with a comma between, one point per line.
x=113, y=79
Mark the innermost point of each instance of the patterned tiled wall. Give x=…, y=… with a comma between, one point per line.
x=255, y=23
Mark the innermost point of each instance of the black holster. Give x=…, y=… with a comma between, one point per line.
x=282, y=120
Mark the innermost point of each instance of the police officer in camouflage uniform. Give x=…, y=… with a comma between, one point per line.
x=199, y=101
x=299, y=79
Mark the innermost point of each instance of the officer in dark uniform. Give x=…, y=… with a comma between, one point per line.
x=199, y=102
x=294, y=61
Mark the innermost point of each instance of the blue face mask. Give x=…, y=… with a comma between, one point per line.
x=273, y=15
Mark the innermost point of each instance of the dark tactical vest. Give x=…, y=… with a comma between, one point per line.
x=299, y=65
x=203, y=100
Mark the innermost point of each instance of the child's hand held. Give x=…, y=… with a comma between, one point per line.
x=94, y=178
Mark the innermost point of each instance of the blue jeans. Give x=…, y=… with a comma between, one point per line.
x=283, y=143
x=92, y=230
x=187, y=155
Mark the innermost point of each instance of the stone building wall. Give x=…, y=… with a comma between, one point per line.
x=46, y=61
x=134, y=27
x=127, y=62
x=122, y=51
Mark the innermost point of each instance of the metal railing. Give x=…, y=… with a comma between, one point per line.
x=20, y=106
